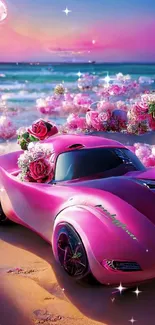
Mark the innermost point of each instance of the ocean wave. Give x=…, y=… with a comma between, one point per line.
x=21, y=96
x=27, y=73
x=33, y=86
x=13, y=86
x=39, y=73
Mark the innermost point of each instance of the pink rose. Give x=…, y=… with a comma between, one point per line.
x=102, y=106
x=104, y=116
x=42, y=129
x=75, y=122
x=7, y=129
x=149, y=161
x=68, y=106
x=81, y=123
x=40, y=171
x=140, y=110
x=90, y=116
x=72, y=121
x=121, y=105
x=142, y=152
x=115, y=90
x=54, y=101
x=92, y=120
x=68, y=97
x=82, y=99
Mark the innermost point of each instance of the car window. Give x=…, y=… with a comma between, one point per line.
x=86, y=162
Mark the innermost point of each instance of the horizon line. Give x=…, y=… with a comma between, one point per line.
x=83, y=62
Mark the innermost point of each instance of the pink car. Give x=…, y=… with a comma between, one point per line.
x=98, y=212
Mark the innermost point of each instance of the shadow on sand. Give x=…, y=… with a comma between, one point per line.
x=8, y=307
x=95, y=302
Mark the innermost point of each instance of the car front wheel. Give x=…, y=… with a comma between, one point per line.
x=71, y=252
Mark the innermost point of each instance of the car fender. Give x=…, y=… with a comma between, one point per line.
x=105, y=239
x=81, y=219
x=9, y=161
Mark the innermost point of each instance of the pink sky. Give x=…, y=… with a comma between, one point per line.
x=24, y=39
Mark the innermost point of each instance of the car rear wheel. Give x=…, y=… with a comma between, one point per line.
x=71, y=252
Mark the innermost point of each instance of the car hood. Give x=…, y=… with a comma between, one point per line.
x=131, y=188
x=101, y=183
x=147, y=174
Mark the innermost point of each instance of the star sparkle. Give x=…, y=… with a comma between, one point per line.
x=67, y=11
x=79, y=74
x=120, y=288
x=132, y=320
x=93, y=41
x=107, y=79
x=137, y=292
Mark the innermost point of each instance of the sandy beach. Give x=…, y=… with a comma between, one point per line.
x=35, y=290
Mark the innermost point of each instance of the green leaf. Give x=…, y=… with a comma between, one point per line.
x=25, y=135
x=32, y=138
x=151, y=107
x=23, y=145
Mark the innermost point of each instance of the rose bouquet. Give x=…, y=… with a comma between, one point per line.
x=40, y=130
x=36, y=164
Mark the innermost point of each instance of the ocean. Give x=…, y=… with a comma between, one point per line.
x=22, y=84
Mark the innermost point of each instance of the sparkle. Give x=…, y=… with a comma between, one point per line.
x=79, y=74
x=93, y=41
x=2, y=189
x=67, y=11
x=147, y=250
x=132, y=320
x=120, y=288
x=137, y=292
x=107, y=79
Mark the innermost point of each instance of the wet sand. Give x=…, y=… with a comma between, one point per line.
x=35, y=290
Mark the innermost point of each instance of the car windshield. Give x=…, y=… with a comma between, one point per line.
x=96, y=162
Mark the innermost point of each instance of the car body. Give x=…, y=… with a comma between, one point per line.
x=98, y=212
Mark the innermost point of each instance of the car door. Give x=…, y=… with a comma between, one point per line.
x=35, y=205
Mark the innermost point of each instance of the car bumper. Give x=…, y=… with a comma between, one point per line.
x=111, y=277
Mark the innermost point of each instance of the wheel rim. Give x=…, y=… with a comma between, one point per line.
x=71, y=253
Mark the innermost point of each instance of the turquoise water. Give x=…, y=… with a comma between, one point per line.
x=22, y=84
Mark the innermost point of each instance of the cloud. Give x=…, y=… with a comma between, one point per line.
x=67, y=52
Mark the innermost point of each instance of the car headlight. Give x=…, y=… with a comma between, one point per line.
x=123, y=266
x=146, y=182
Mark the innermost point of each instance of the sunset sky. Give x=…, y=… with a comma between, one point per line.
x=101, y=30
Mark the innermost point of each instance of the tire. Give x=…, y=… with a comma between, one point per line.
x=3, y=219
x=71, y=252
